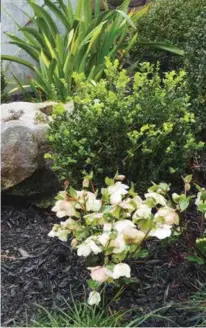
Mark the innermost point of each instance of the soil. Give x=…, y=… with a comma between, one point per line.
x=40, y=270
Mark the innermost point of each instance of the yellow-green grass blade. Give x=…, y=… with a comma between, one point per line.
x=44, y=28
x=127, y=18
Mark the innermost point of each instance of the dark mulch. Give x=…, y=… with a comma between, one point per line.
x=37, y=269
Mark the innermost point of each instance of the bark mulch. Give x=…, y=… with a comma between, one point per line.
x=40, y=270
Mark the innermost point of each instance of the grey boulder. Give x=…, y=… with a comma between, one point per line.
x=23, y=139
x=19, y=153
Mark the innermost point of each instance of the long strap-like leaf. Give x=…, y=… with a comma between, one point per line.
x=40, y=12
x=163, y=46
x=58, y=13
x=18, y=60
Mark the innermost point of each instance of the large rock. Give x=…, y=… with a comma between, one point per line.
x=19, y=153
x=23, y=135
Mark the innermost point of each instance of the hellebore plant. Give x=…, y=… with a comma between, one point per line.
x=116, y=225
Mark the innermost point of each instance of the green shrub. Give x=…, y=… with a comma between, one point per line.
x=166, y=21
x=195, y=63
x=4, y=96
x=141, y=127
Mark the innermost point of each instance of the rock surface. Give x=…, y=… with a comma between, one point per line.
x=23, y=134
x=19, y=152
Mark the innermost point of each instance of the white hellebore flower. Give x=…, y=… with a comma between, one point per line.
x=94, y=298
x=88, y=247
x=118, y=187
x=175, y=197
x=200, y=199
x=125, y=204
x=93, y=217
x=118, y=244
x=92, y=204
x=121, y=270
x=53, y=233
x=122, y=224
x=103, y=239
x=85, y=183
x=168, y=214
x=69, y=224
x=116, y=191
x=159, y=199
x=115, y=198
x=107, y=227
x=64, y=208
x=99, y=274
x=83, y=250
x=62, y=234
x=133, y=235
x=143, y=212
x=161, y=232
x=137, y=201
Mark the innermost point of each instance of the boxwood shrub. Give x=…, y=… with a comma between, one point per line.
x=141, y=126
x=195, y=64
x=167, y=21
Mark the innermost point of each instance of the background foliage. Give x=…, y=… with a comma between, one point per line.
x=56, y=53
x=166, y=21
x=195, y=63
x=4, y=95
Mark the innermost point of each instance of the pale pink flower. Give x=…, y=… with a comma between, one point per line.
x=74, y=242
x=99, y=274
x=169, y=215
x=120, y=177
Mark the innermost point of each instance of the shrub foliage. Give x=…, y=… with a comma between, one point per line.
x=196, y=65
x=167, y=21
x=142, y=127
x=4, y=95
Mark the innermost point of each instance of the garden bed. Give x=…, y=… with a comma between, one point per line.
x=40, y=270
x=147, y=123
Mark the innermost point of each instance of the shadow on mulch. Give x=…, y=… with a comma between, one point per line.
x=37, y=269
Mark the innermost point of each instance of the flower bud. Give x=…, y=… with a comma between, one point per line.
x=120, y=177
x=74, y=242
x=85, y=183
